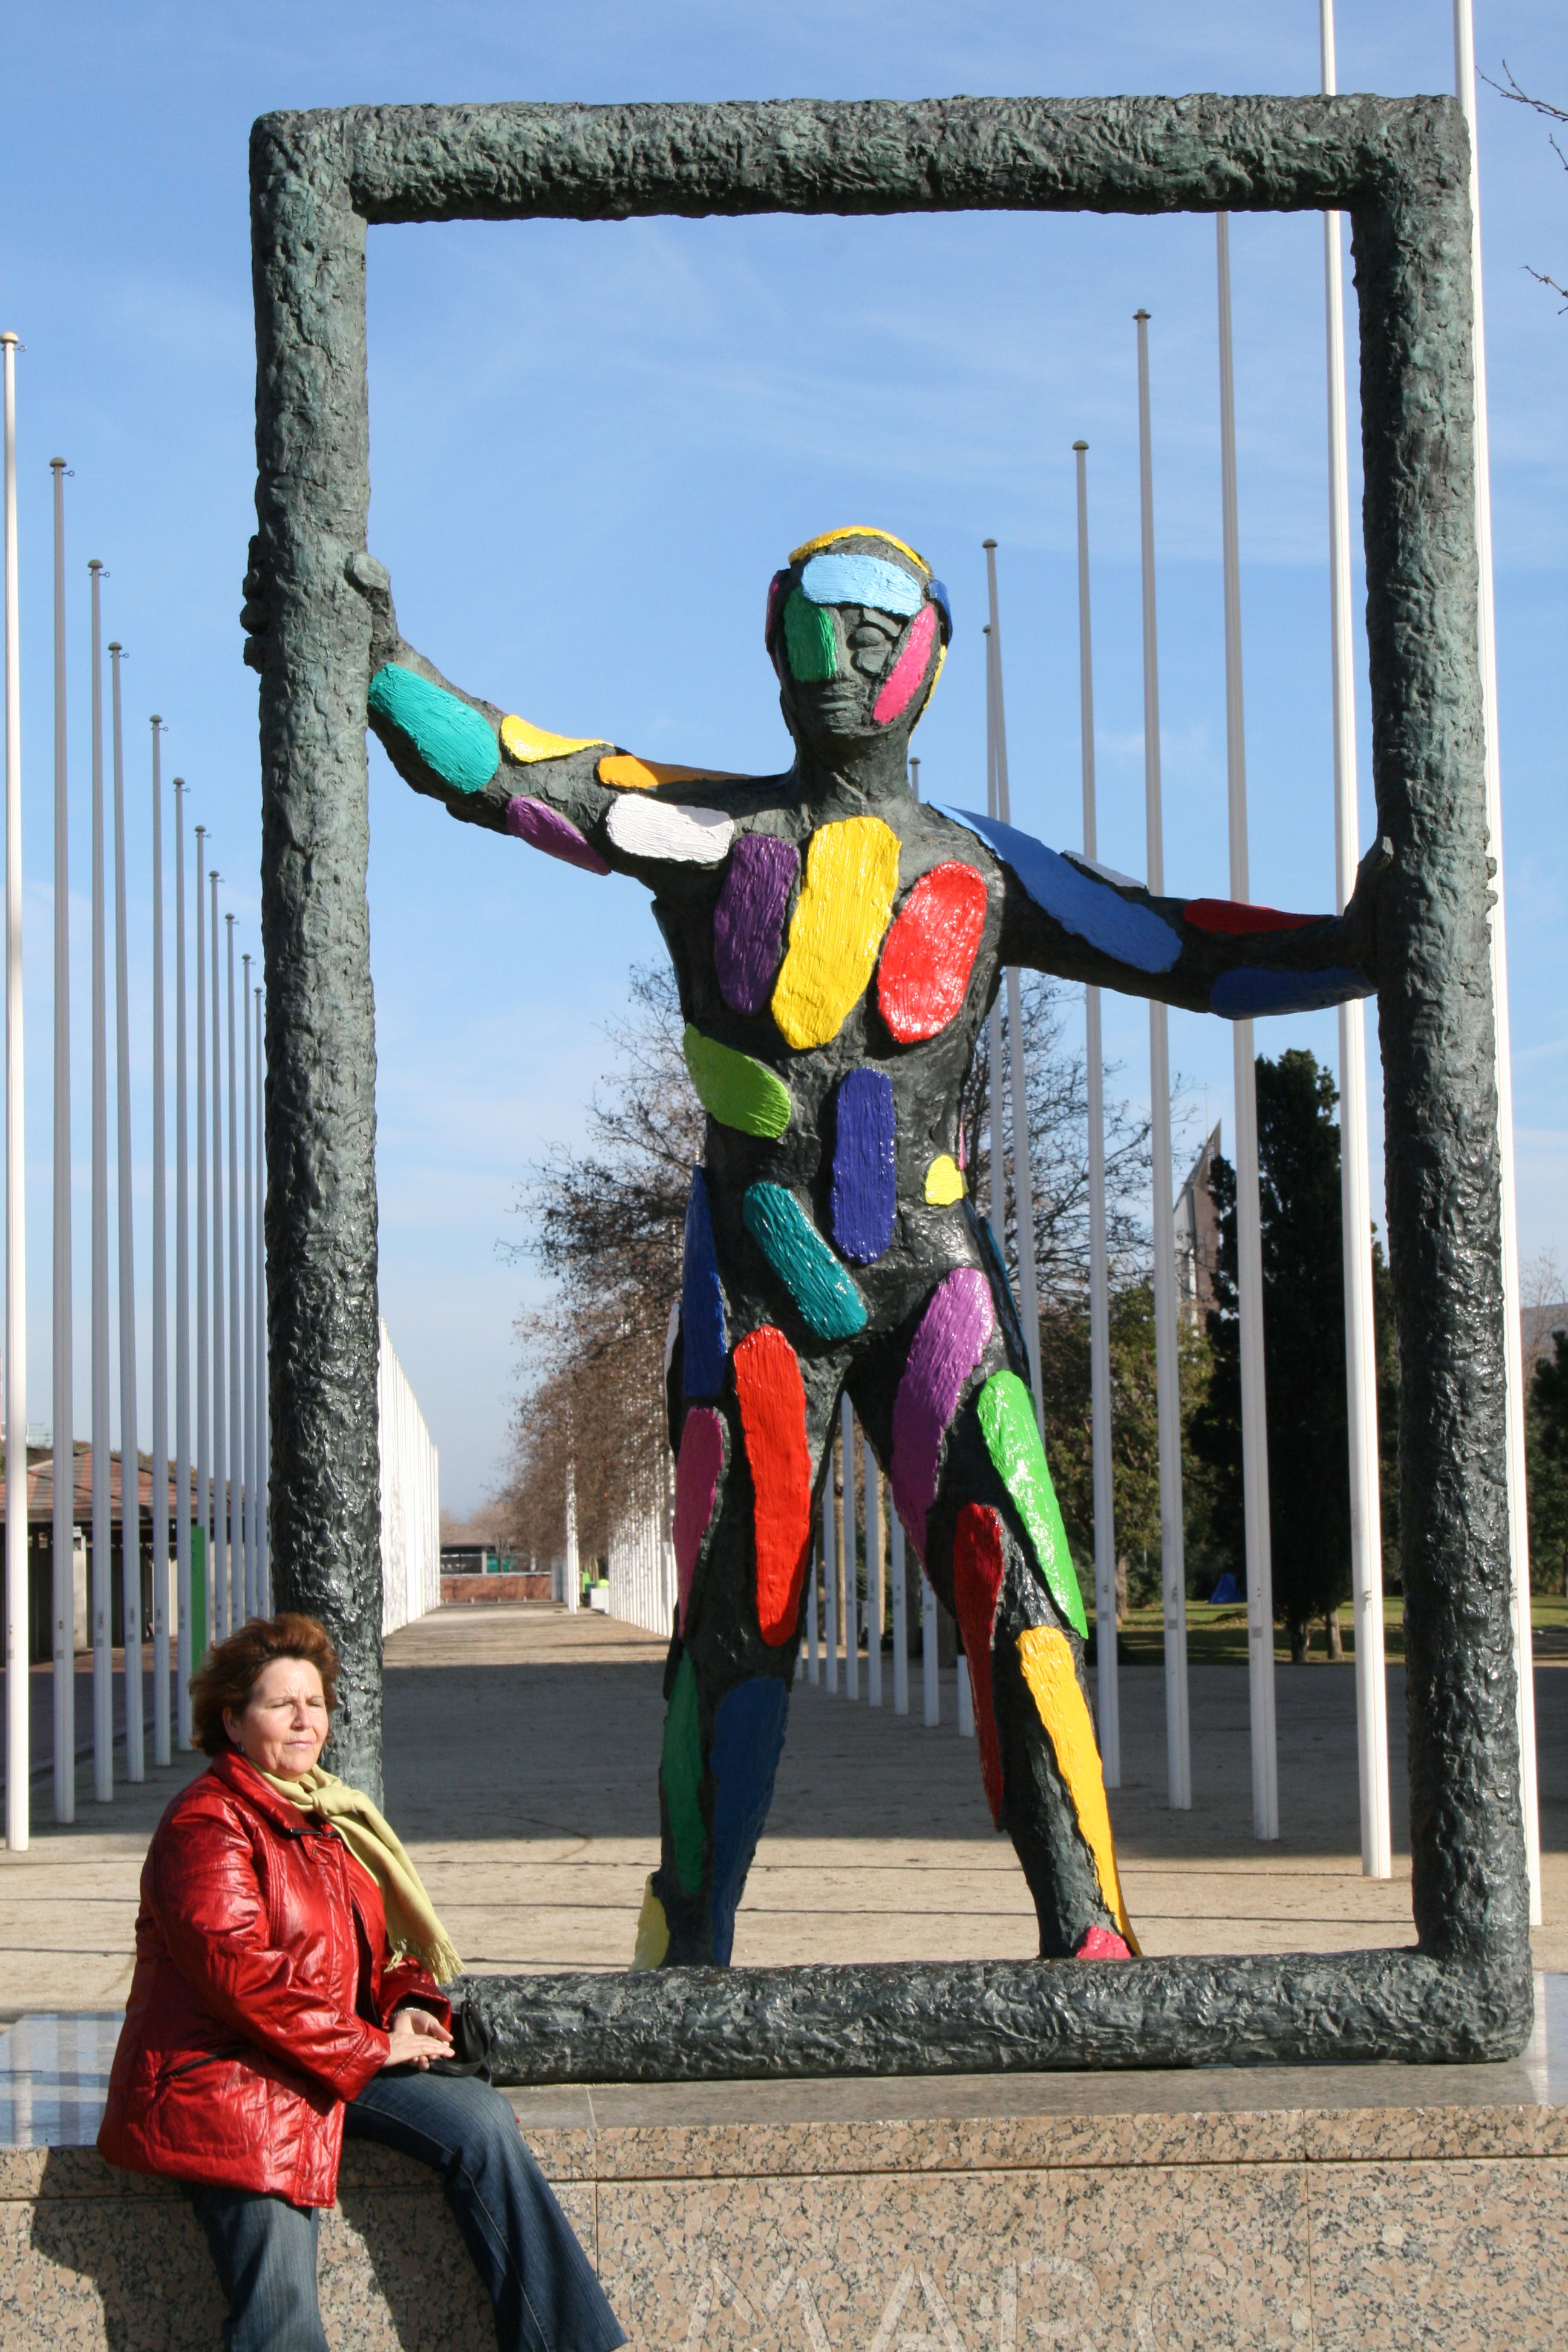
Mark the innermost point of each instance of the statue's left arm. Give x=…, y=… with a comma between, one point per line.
x=1067, y=916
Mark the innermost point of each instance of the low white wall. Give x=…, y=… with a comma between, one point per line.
x=642, y=1571
x=410, y=1499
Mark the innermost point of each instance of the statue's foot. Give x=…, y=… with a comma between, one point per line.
x=1102, y=1944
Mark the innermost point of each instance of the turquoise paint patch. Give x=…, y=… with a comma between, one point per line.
x=680, y=1772
x=1012, y=1441
x=449, y=735
x=806, y=1265
x=809, y=642
x=861, y=580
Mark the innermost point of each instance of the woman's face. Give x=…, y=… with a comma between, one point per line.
x=284, y=1722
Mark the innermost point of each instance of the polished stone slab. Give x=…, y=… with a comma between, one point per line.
x=1341, y=2208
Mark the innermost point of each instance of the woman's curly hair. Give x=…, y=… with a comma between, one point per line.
x=232, y=1669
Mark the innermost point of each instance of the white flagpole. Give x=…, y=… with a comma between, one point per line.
x=63, y=1383
x=1513, y=1343
x=102, y=1536
x=931, y=1676
x=874, y=1578
x=222, y=1596
x=130, y=1459
x=900, y=1611
x=241, y=1596
x=851, y=1574
x=210, y=1612
x=1023, y=1179
x=1248, y=1218
x=160, y=1728
x=573, y=1574
x=1108, y=1680
x=18, y=1665
x=1167, y=1370
x=996, y=1170
x=263, y=1549
x=252, y=1583
x=830, y=1575
x=182, y=1291
x=1355, y=1153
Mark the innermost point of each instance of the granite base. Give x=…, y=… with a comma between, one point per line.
x=1339, y=2208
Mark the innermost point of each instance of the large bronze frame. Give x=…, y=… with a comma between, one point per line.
x=1400, y=168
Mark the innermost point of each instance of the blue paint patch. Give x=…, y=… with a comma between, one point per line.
x=937, y=591
x=451, y=737
x=861, y=580
x=1241, y=995
x=1090, y=909
x=864, y=1185
x=748, y=1741
x=704, y=1344
x=797, y=1253
x=1008, y=1313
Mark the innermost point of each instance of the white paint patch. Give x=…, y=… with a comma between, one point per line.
x=642, y=827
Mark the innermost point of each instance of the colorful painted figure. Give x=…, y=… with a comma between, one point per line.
x=837, y=945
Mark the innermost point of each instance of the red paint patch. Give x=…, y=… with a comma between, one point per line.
x=697, y=1473
x=1230, y=915
x=977, y=1563
x=1102, y=1944
x=930, y=952
x=773, y=1418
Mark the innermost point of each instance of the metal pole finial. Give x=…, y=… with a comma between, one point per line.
x=1080, y=445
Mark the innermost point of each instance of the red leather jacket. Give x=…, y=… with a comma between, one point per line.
x=260, y=1997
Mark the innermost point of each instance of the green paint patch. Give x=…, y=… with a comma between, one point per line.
x=736, y=1090
x=809, y=641
x=680, y=1772
x=819, y=1285
x=1012, y=1441
x=449, y=735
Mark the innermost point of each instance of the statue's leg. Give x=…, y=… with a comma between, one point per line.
x=747, y=1465
x=972, y=1485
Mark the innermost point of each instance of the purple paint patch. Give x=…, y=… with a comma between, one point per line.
x=545, y=828
x=953, y=1334
x=697, y=1473
x=865, y=1190
x=748, y=922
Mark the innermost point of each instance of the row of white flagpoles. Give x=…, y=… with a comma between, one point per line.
x=839, y=1593
x=220, y=1366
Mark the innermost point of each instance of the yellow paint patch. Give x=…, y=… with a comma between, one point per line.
x=631, y=775
x=944, y=1182
x=836, y=931
x=857, y=531
x=1046, y=1656
x=526, y=742
x=653, y=1932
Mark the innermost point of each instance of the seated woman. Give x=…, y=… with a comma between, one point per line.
x=287, y=1990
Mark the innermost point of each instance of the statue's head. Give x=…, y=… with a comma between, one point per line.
x=857, y=627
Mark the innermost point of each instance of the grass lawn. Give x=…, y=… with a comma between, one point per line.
x=1217, y=1636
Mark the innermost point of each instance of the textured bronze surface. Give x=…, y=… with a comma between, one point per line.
x=1400, y=168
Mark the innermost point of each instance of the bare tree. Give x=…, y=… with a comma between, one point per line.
x=1518, y=97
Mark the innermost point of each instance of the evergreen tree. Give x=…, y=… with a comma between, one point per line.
x=1303, y=1354
x=1546, y=1467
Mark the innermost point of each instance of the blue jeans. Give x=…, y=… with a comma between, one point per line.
x=543, y=2292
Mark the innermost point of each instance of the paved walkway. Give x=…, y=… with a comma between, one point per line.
x=521, y=1749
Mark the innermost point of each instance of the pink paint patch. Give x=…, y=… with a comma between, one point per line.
x=1102, y=1944
x=908, y=673
x=696, y=1472
x=953, y=1334
x=545, y=828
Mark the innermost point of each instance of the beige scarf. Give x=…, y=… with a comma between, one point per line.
x=412, y=1926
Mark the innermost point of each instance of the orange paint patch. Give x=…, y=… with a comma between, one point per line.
x=631, y=775
x=771, y=1398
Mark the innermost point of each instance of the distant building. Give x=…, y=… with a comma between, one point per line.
x=1197, y=1237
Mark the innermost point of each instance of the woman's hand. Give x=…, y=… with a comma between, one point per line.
x=416, y=2037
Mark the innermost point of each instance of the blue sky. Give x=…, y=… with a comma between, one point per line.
x=592, y=444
